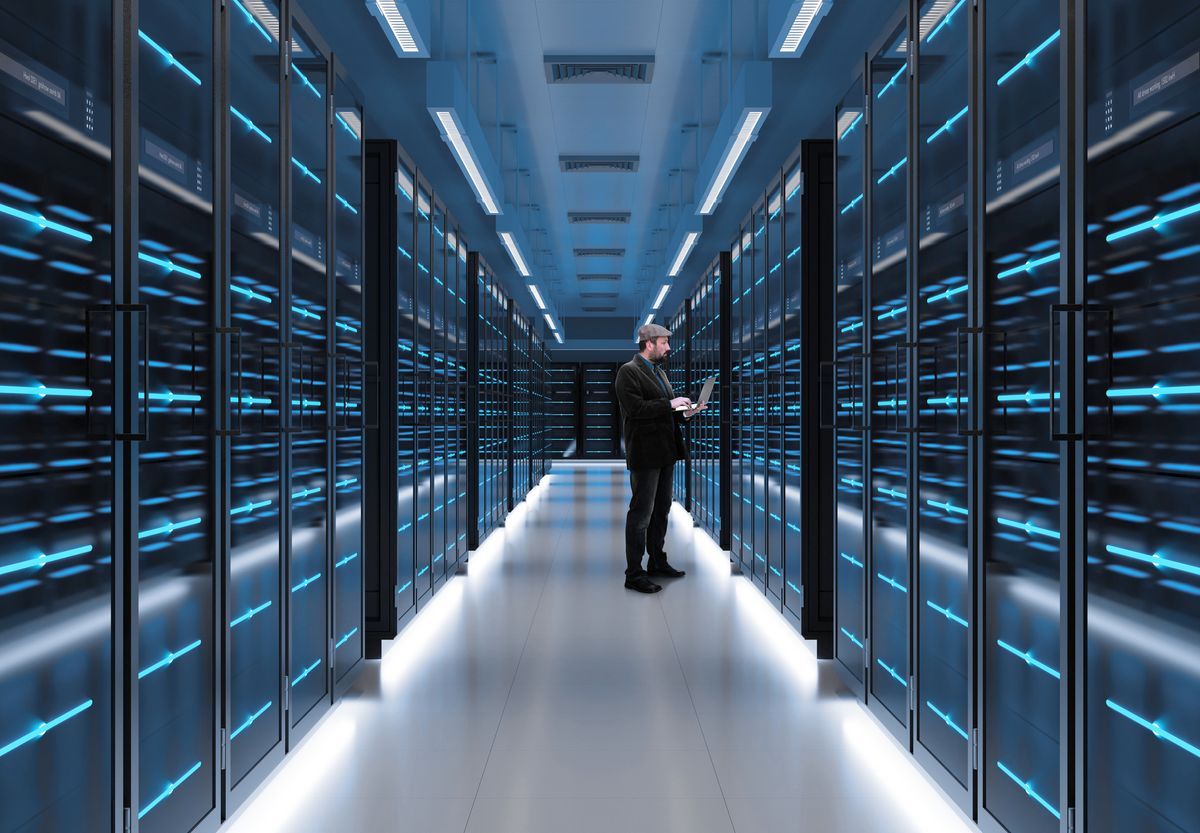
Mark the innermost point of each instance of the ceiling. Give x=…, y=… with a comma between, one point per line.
x=667, y=124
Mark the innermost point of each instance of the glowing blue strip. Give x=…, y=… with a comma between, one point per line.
x=168, y=528
x=1155, y=559
x=345, y=638
x=423, y=570
x=307, y=83
x=891, y=83
x=945, y=22
x=945, y=611
x=1027, y=786
x=249, y=293
x=1155, y=391
x=41, y=222
x=948, y=507
x=345, y=202
x=43, y=728
x=1027, y=397
x=797, y=590
x=1029, y=659
x=1153, y=727
x=892, y=582
x=948, y=294
x=407, y=585
x=303, y=493
x=254, y=128
x=346, y=560
x=171, y=787
x=311, y=579
x=946, y=718
x=892, y=493
x=350, y=481
x=170, y=59
x=305, y=673
x=404, y=252
x=252, y=20
x=168, y=659
x=250, y=507
x=945, y=128
x=851, y=327
x=852, y=482
x=250, y=720
x=851, y=204
x=41, y=391
x=1154, y=222
x=892, y=672
x=305, y=170
x=44, y=559
x=1029, y=265
x=1027, y=61
x=169, y=266
x=892, y=313
x=250, y=614
x=851, y=559
x=853, y=125
x=851, y=637
x=1028, y=528
x=171, y=397
x=347, y=127
x=892, y=170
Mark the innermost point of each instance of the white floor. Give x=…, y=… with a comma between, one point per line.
x=536, y=694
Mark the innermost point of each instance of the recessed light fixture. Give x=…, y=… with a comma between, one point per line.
x=685, y=249
x=537, y=296
x=399, y=24
x=453, y=136
x=549, y=322
x=515, y=253
x=662, y=293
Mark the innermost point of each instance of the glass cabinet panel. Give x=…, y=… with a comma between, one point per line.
x=773, y=392
x=56, y=477
x=406, y=395
x=423, y=295
x=793, y=402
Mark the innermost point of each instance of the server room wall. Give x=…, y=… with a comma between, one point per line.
x=186, y=392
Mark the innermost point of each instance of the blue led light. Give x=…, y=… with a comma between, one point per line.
x=891, y=83
x=169, y=266
x=305, y=673
x=1027, y=786
x=1029, y=528
x=41, y=729
x=1029, y=265
x=171, y=787
x=892, y=493
x=1029, y=659
x=422, y=571
x=948, y=294
x=250, y=125
x=892, y=672
x=346, y=560
x=250, y=720
x=345, y=203
x=853, y=125
x=407, y=585
x=1151, y=726
x=948, y=507
x=1027, y=61
x=252, y=20
x=851, y=327
x=169, y=58
x=168, y=396
x=168, y=528
x=168, y=659
x=19, y=254
x=304, y=79
x=795, y=589
x=250, y=614
x=304, y=169
x=1155, y=391
x=42, y=223
x=949, y=123
x=306, y=582
x=1029, y=397
x=250, y=506
x=851, y=204
x=944, y=23
x=345, y=126
x=892, y=170
x=1154, y=222
x=946, y=718
x=1154, y=559
x=43, y=559
x=851, y=637
x=945, y=611
x=892, y=313
x=891, y=582
x=41, y=391
x=345, y=638
x=303, y=493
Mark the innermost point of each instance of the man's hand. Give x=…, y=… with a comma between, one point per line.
x=693, y=410
x=681, y=402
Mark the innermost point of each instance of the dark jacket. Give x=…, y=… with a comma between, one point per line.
x=653, y=439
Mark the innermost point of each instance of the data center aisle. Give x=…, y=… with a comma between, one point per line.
x=538, y=695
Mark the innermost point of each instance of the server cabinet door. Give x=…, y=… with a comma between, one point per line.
x=1020, y=515
x=347, y=423
x=423, y=295
x=56, y=476
x=255, y=607
x=406, y=397
x=773, y=394
x=1142, y=748
x=439, y=377
x=796, y=478
x=309, y=368
x=177, y=503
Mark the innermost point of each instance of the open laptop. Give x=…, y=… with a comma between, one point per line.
x=705, y=393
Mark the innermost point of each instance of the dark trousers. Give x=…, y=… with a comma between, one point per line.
x=646, y=523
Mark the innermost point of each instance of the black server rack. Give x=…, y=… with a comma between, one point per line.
x=704, y=337
x=601, y=432
x=677, y=372
x=540, y=397
x=562, y=410
x=522, y=413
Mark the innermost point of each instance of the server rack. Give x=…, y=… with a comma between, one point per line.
x=540, y=396
x=704, y=339
x=562, y=409
x=677, y=371
x=601, y=430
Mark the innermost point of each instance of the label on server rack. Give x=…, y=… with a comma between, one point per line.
x=164, y=157
x=307, y=242
x=1146, y=87
x=27, y=75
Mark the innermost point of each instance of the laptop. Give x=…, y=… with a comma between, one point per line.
x=705, y=393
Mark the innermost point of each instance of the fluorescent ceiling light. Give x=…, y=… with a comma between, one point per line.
x=662, y=293
x=515, y=253
x=549, y=322
x=804, y=16
x=733, y=156
x=558, y=336
x=685, y=249
x=467, y=159
x=649, y=318
x=537, y=296
x=399, y=24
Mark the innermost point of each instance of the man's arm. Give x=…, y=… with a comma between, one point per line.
x=633, y=404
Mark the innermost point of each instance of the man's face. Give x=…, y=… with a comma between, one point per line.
x=658, y=348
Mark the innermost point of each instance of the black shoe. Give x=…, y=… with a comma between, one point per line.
x=642, y=584
x=664, y=570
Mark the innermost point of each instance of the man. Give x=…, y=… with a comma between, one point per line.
x=653, y=443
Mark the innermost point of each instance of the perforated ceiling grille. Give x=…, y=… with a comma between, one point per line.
x=596, y=276
x=598, y=164
x=597, y=295
x=598, y=217
x=599, y=309
x=599, y=69
x=599, y=253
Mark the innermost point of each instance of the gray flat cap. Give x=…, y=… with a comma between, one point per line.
x=646, y=332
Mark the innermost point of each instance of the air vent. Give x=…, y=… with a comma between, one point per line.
x=595, y=296
x=599, y=309
x=599, y=69
x=599, y=277
x=598, y=164
x=599, y=253
x=598, y=217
